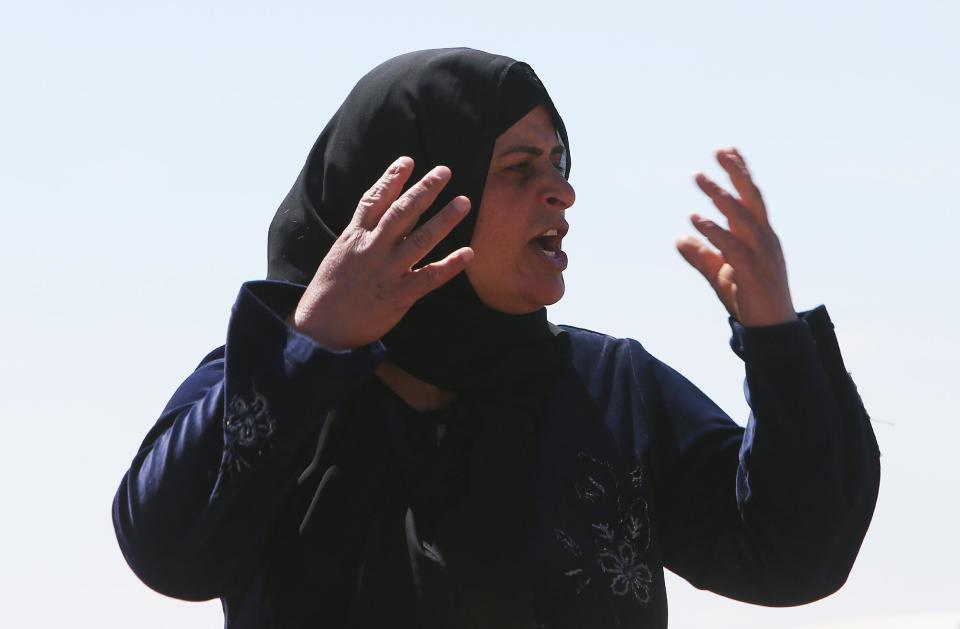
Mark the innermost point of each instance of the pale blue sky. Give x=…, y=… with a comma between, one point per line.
x=145, y=146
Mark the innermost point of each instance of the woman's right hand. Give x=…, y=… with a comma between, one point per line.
x=367, y=283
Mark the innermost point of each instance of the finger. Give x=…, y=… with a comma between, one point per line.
x=431, y=276
x=733, y=250
x=742, y=222
x=735, y=166
x=701, y=257
x=378, y=198
x=403, y=213
x=424, y=238
x=714, y=269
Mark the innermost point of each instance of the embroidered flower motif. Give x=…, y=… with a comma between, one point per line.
x=630, y=575
x=621, y=537
x=247, y=426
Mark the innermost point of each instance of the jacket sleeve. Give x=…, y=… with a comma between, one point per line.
x=774, y=514
x=193, y=512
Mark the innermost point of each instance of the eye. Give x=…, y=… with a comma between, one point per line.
x=522, y=167
x=559, y=161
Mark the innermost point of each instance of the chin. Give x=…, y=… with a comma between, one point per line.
x=548, y=295
x=520, y=302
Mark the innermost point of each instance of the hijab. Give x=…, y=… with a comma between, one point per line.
x=448, y=546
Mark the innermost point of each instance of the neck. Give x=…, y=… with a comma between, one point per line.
x=417, y=393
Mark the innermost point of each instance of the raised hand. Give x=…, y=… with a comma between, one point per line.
x=748, y=273
x=366, y=282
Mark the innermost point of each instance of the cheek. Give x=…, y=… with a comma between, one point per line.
x=499, y=234
x=498, y=245
x=489, y=231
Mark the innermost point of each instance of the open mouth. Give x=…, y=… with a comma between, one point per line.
x=548, y=247
x=549, y=243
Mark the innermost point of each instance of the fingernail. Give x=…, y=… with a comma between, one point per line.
x=397, y=165
x=461, y=204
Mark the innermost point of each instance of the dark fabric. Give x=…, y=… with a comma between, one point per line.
x=440, y=534
x=438, y=107
x=637, y=470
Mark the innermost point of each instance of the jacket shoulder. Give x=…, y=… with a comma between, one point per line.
x=591, y=349
x=584, y=338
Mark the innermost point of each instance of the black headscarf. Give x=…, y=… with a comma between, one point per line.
x=447, y=547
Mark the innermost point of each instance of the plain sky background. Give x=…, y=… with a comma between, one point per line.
x=144, y=147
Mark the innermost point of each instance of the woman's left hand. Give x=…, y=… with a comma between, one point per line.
x=748, y=273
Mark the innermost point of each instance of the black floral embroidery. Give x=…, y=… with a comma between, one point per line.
x=247, y=427
x=620, y=538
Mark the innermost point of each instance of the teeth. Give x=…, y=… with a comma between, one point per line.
x=551, y=232
x=548, y=253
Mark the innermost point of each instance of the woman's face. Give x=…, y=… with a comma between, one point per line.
x=518, y=263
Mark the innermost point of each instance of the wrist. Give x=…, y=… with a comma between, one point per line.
x=304, y=323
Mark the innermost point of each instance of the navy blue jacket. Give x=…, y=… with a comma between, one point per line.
x=638, y=470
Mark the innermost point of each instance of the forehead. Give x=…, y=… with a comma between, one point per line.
x=535, y=127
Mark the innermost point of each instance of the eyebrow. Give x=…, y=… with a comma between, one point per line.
x=535, y=151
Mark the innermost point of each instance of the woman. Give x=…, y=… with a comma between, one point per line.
x=408, y=442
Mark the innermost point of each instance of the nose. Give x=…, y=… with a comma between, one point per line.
x=559, y=193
